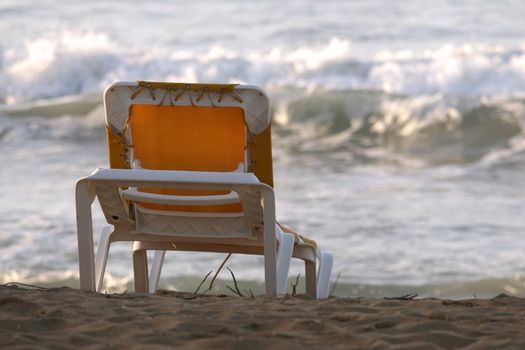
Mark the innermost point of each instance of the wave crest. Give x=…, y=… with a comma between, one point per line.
x=71, y=63
x=435, y=128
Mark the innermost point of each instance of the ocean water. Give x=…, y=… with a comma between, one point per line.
x=398, y=131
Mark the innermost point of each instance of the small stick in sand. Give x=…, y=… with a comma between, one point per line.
x=217, y=273
x=236, y=291
x=202, y=282
x=334, y=286
x=18, y=284
x=404, y=297
x=249, y=291
x=294, y=285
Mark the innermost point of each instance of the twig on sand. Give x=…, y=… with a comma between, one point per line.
x=334, y=285
x=403, y=297
x=250, y=292
x=236, y=291
x=18, y=284
x=125, y=295
x=217, y=273
x=294, y=285
x=233, y=291
x=202, y=282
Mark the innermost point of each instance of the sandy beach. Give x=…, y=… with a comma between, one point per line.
x=64, y=318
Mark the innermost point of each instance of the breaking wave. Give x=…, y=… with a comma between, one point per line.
x=72, y=63
x=366, y=126
x=454, y=104
x=435, y=128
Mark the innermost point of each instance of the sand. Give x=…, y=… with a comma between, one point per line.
x=64, y=318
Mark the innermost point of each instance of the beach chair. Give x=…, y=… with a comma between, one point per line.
x=190, y=170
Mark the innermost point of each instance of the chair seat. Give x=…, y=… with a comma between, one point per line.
x=225, y=225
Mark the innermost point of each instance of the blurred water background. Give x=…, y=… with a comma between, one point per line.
x=398, y=131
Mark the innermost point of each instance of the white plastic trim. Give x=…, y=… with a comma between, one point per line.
x=173, y=178
x=325, y=270
x=102, y=255
x=156, y=269
x=117, y=100
x=140, y=196
x=284, y=257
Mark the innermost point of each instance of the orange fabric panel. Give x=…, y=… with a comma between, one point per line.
x=116, y=150
x=261, y=156
x=188, y=138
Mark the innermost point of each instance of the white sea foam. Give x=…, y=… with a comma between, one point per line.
x=466, y=70
x=73, y=63
x=323, y=93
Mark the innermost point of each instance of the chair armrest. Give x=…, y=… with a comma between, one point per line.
x=173, y=179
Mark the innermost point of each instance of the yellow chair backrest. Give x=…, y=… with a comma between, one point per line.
x=192, y=138
x=188, y=138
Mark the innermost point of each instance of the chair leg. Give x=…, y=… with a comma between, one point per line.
x=310, y=278
x=325, y=270
x=270, y=253
x=140, y=270
x=102, y=256
x=84, y=197
x=156, y=268
x=284, y=256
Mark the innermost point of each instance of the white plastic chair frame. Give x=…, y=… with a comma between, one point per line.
x=108, y=184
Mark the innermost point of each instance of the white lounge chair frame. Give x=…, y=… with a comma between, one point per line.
x=115, y=188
